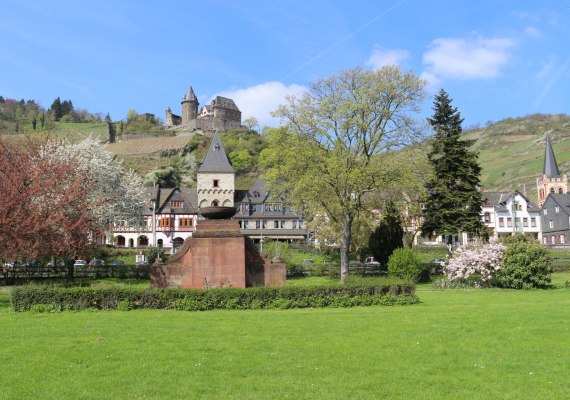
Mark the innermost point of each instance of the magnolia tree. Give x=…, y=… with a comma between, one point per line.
x=469, y=260
x=111, y=192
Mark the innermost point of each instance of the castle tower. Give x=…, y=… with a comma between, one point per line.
x=551, y=181
x=189, y=107
x=216, y=177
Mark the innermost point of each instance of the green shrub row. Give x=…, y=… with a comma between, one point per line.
x=42, y=299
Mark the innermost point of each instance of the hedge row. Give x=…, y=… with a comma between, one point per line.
x=42, y=299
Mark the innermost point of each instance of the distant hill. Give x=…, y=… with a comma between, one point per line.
x=511, y=151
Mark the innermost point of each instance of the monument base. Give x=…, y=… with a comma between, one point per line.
x=218, y=255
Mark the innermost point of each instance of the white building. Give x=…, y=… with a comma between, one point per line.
x=509, y=213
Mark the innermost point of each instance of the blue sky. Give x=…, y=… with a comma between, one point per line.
x=496, y=59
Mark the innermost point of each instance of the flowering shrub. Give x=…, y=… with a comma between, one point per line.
x=467, y=261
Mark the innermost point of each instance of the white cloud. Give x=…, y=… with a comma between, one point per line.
x=532, y=32
x=381, y=57
x=467, y=59
x=258, y=101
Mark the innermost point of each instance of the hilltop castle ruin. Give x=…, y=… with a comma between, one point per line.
x=222, y=114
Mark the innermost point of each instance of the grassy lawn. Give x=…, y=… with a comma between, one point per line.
x=476, y=344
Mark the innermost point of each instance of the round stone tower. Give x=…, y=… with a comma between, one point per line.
x=189, y=107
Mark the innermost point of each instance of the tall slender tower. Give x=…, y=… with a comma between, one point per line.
x=189, y=106
x=551, y=181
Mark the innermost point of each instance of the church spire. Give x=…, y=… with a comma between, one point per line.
x=550, y=166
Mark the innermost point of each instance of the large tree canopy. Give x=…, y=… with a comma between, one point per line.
x=338, y=142
x=112, y=192
x=454, y=202
x=43, y=207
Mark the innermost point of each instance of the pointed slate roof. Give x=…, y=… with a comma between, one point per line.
x=550, y=165
x=216, y=159
x=190, y=96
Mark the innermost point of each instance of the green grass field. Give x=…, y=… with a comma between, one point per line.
x=477, y=344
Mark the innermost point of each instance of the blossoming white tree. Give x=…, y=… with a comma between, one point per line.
x=470, y=260
x=112, y=193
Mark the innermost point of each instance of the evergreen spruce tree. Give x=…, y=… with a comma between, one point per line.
x=454, y=202
x=388, y=236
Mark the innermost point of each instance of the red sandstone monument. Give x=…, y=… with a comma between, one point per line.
x=218, y=254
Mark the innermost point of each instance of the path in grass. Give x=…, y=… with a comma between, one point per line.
x=457, y=344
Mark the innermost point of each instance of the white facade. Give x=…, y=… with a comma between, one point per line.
x=171, y=231
x=512, y=215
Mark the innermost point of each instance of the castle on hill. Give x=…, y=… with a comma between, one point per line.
x=222, y=114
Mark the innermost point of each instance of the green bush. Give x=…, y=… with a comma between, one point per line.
x=45, y=299
x=568, y=284
x=526, y=264
x=405, y=264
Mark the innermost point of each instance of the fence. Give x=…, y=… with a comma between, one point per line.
x=21, y=274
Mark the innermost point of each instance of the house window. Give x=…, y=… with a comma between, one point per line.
x=551, y=224
x=552, y=239
x=525, y=222
x=245, y=224
x=294, y=224
x=282, y=225
x=562, y=239
x=266, y=207
x=176, y=204
x=560, y=191
x=215, y=203
x=276, y=224
x=164, y=222
x=533, y=222
x=501, y=222
x=545, y=240
x=185, y=222
x=509, y=222
x=557, y=209
x=545, y=211
x=264, y=224
x=257, y=224
x=487, y=218
x=216, y=183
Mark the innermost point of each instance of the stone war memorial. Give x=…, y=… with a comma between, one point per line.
x=218, y=255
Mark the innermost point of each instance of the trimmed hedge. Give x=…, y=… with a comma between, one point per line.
x=42, y=299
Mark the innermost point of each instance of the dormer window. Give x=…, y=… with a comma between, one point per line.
x=176, y=204
x=216, y=183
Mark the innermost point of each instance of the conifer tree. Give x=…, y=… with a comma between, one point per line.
x=453, y=204
x=388, y=236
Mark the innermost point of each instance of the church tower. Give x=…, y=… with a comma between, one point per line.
x=189, y=107
x=216, y=177
x=551, y=181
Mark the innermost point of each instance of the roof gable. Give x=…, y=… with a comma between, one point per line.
x=216, y=159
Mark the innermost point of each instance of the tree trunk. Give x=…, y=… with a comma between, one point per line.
x=345, y=246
